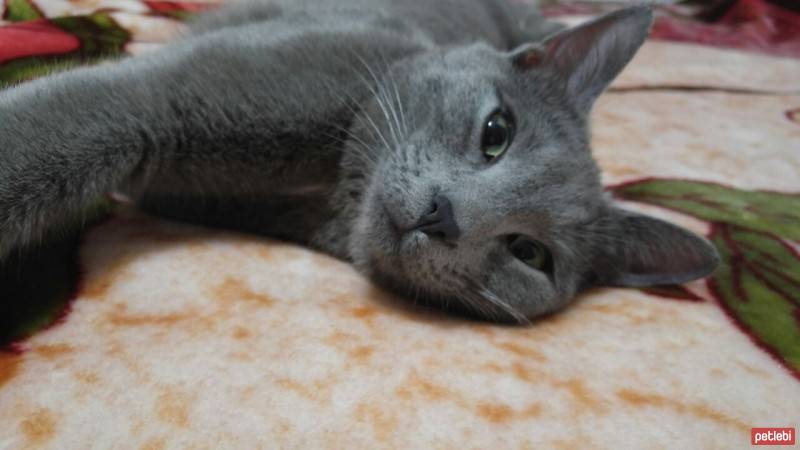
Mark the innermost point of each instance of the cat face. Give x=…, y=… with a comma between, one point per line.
x=484, y=195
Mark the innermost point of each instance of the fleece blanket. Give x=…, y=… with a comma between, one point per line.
x=149, y=334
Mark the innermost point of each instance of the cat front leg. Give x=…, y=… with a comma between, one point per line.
x=68, y=140
x=232, y=114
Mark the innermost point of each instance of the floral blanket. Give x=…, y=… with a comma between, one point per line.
x=149, y=334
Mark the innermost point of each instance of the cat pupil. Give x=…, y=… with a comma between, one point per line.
x=496, y=135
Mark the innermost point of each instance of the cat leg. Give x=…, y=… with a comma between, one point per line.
x=68, y=140
x=220, y=112
x=65, y=142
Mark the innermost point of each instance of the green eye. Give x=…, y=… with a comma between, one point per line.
x=532, y=253
x=497, y=134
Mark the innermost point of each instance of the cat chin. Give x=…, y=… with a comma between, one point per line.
x=404, y=247
x=385, y=253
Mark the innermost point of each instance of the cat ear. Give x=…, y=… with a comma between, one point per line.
x=645, y=251
x=589, y=56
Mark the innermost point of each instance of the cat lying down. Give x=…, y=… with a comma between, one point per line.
x=440, y=146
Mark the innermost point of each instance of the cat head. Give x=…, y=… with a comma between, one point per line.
x=483, y=193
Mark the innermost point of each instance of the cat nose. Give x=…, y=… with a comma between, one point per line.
x=439, y=221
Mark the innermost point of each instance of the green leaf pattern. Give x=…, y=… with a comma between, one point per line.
x=100, y=38
x=21, y=10
x=755, y=232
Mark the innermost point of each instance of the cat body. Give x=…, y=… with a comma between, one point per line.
x=441, y=146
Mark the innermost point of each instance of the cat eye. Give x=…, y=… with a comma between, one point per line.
x=497, y=133
x=531, y=252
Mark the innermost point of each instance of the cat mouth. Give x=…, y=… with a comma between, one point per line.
x=405, y=242
x=394, y=228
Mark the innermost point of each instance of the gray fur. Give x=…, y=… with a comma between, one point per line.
x=334, y=123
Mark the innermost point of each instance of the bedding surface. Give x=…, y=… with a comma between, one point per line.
x=165, y=335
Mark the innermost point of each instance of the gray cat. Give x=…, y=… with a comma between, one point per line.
x=440, y=146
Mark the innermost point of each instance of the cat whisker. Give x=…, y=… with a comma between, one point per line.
x=357, y=144
x=400, y=107
x=488, y=298
x=469, y=297
x=399, y=114
x=373, y=130
x=475, y=305
x=379, y=93
x=377, y=130
x=361, y=153
x=495, y=300
x=361, y=117
x=485, y=309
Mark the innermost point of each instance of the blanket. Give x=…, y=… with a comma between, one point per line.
x=144, y=333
